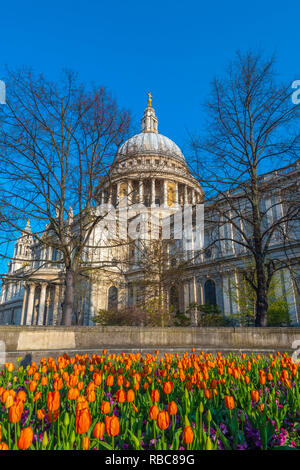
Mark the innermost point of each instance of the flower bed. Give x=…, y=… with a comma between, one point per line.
x=197, y=401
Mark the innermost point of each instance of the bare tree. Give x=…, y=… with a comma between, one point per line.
x=252, y=129
x=161, y=266
x=56, y=142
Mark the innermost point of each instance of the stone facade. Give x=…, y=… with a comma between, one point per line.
x=150, y=169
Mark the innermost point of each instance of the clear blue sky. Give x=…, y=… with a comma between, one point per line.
x=172, y=48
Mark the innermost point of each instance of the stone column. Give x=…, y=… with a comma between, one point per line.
x=200, y=292
x=55, y=304
x=236, y=302
x=42, y=304
x=176, y=194
x=48, y=305
x=226, y=295
x=186, y=200
x=165, y=194
x=186, y=296
x=9, y=289
x=30, y=304
x=3, y=293
x=193, y=196
x=134, y=294
x=129, y=192
x=193, y=291
x=290, y=295
x=118, y=194
x=92, y=304
x=25, y=297
x=153, y=192
x=141, y=192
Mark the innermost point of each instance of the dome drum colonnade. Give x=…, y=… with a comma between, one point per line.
x=150, y=169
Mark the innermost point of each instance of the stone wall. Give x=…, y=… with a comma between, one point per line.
x=33, y=338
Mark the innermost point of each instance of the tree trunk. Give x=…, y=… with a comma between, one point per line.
x=261, y=295
x=68, y=298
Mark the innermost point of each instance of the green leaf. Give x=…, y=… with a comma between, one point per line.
x=105, y=445
x=136, y=442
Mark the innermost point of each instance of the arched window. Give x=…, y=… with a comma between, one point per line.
x=210, y=292
x=112, y=301
x=174, y=299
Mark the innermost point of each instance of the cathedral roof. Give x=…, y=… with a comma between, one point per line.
x=149, y=141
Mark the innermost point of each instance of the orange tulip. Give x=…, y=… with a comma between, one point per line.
x=15, y=412
x=91, y=396
x=21, y=396
x=97, y=379
x=167, y=387
x=154, y=396
x=32, y=385
x=25, y=439
x=99, y=430
x=130, y=395
x=262, y=380
x=202, y=385
x=112, y=425
x=105, y=407
x=9, y=366
x=208, y=393
x=188, y=435
x=120, y=380
x=153, y=412
x=83, y=420
x=3, y=446
x=9, y=402
x=163, y=420
x=44, y=381
x=229, y=402
x=80, y=385
x=73, y=380
x=86, y=443
x=53, y=401
x=37, y=396
x=58, y=384
x=213, y=384
x=121, y=396
x=73, y=393
x=172, y=408
x=254, y=396
x=110, y=380
x=40, y=414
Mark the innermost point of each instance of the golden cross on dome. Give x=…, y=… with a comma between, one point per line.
x=149, y=99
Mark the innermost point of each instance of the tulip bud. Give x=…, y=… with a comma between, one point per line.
x=66, y=420
x=201, y=408
x=45, y=440
x=208, y=444
x=186, y=421
x=208, y=416
x=72, y=437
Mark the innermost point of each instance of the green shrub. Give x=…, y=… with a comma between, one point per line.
x=278, y=314
x=180, y=319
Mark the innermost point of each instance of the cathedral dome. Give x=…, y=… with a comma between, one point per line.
x=149, y=141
